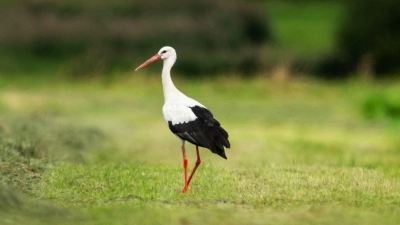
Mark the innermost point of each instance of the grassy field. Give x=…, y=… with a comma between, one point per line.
x=100, y=153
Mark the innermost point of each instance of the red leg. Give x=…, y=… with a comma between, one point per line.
x=185, y=163
x=198, y=161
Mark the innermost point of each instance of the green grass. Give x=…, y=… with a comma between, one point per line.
x=302, y=153
x=216, y=190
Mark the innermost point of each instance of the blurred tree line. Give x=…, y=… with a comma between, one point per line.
x=369, y=35
x=99, y=36
x=96, y=37
x=367, y=41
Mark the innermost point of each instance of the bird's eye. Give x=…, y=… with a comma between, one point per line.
x=163, y=51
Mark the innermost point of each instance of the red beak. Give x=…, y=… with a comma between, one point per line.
x=155, y=58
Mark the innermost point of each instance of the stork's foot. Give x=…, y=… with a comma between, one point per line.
x=185, y=189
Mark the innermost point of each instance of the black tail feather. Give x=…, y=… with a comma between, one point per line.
x=220, y=140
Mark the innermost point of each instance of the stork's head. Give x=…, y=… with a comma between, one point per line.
x=164, y=54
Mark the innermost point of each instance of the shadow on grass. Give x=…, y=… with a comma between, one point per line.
x=16, y=208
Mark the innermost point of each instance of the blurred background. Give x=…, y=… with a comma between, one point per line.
x=285, y=65
x=326, y=38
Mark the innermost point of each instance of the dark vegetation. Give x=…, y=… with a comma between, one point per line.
x=96, y=37
x=368, y=40
x=365, y=39
x=370, y=33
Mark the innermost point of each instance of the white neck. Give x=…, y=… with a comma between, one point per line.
x=168, y=86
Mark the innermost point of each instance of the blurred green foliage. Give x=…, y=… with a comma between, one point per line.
x=382, y=105
x=369, y=33
x=304, y=35
x=364, y=39
x=95, y=37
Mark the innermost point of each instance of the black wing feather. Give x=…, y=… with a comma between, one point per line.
x=205, y=131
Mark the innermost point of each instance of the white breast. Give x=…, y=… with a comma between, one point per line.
x=178, y=110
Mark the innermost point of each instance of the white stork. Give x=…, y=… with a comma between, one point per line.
x=187, y=118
